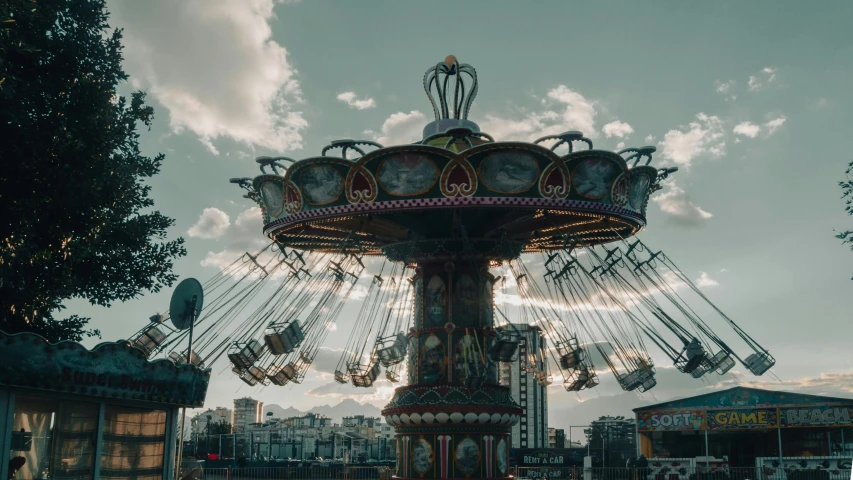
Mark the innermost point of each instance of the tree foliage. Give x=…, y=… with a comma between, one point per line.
x=846, y=236
x=77, y=221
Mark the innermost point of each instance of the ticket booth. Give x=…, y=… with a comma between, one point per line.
x=67, y=412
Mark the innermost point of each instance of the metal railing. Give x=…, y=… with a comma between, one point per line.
x=339, y=472
x=331, y=472
x=683, y=473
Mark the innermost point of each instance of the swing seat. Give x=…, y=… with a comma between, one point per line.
x=244, y=355
x=570, y=353
x=722, y=362
x=505, y=346
x=691, y=357
x=283, y=338
x=571, y=360
x=277, y=377
x=341, y=377
x=758, y=363
x=253, y=376
x=150, y=340
x=290, y=371
x=579, y=382
x=392, y=350
x=592, y=381
x=392, y=377
x=701, y=370
x=180, y=359
x=364, y=376
x=503, y=350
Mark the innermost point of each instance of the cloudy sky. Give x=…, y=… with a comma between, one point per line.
x=750, y=100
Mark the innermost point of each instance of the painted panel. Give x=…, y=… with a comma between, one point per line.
x=272, y=194
x=509, y=172
x=467, y=456
x=465, y=302
x=817, y=416
x=432, y=361
x=407, y=175
x=321, y=184
x=422, y=456
x=742, y=419
x=592, y=178
x=436, y=302
x=671, y=421
x=639, y=191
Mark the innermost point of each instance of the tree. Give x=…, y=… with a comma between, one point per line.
x=77, y=218
x=846, y=236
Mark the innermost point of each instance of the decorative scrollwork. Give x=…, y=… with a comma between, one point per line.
x=663, y=173
x=637, y=154
x=272, y=162
x=566, y=138
x=347, y=144
x=246, y=184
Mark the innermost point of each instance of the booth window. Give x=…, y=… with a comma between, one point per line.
x=133, y=444
x=32, y=433
x=75, y=440
x=57, y=440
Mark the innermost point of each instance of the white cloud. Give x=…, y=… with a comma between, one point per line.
x=703, y=135
x=726, y=89
x=214, y=66
x=400, y=128
x=705, y=280
x=212, y=223
x=747, y=129
x=650, y=138
x=676, y=202
x=620, y=146
x=617, y=129
x=563, y=109
x=774, y=124
x=350, y=99
x=245, y=235
x=766, y=76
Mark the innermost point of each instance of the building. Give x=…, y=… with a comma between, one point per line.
x=748, y=426
x=246, y=412
x=532, y=429
x=218, y=415
x=556, y=438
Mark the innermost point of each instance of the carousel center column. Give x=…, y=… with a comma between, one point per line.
x=453, y=420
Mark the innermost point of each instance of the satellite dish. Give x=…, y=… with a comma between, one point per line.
x=186, y=303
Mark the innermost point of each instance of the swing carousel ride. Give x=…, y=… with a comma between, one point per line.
x=446, y=222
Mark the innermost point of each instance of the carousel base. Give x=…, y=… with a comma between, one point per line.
x=448, y=431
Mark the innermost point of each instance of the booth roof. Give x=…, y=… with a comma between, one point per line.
x=744, y=397
x=111, y=369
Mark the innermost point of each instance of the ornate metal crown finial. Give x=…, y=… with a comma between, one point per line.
x=440, y=77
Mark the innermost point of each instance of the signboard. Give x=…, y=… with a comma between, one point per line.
x=671, y=420
x=817, y=416
x=549, y=457
x=742, y=419
x=112, y=370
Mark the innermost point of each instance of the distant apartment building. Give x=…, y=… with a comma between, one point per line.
x=200, y=422
x=532, y=429
x=246, y=412
x=556, y=438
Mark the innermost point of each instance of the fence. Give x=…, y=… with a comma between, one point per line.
x=331, y=472
x=684, y=473
x=339, y=472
